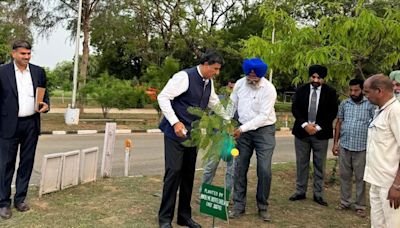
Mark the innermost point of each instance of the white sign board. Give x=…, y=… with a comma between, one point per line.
x=50, y=180
x=70, y=171
x=88, y=167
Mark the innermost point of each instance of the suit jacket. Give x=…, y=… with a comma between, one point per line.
x=326, y=113
x=9, y=106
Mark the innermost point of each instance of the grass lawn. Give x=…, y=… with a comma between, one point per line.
x=130, y=202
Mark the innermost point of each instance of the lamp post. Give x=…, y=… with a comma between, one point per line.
x=72, y=113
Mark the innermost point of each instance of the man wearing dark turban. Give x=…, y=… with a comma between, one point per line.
x=314, y=107
x=253, y=97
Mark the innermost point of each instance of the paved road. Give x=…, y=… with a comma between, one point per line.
x=147, y=157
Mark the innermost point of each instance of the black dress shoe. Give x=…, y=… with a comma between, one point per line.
x=320, y=201
x=5, y=212
x=297, y=196
x=165, y=225
x=189, y=223
x=22, y=207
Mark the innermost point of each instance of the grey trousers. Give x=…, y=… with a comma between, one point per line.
x=262, y=140
x=349, y=162
x=211, y=168
x=303, y=149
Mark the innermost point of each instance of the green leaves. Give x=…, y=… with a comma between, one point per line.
x=355, y=46
x=209, y=133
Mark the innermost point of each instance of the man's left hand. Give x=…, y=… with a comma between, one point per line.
x=394, y=197
x=44, y=107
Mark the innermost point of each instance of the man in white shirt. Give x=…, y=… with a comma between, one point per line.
x=19, y=124
x=383, y=153
x=191, y=87
x=254, y=98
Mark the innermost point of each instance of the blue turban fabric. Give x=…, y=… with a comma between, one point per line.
x=260, y=68
x=320, y=70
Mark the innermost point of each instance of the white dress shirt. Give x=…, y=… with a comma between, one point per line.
x=383, y=145
x=309, y=104
x=26, y=97
x=255, y=106
x=178, y=84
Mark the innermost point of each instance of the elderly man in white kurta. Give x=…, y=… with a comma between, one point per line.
x=383, y=153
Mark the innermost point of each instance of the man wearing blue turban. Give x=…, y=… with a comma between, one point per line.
x=253, y=97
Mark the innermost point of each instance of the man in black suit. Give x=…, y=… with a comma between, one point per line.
x=314, y=108
x=19, y=124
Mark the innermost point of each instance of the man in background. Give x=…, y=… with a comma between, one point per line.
x=350, y=142
x=395, y=77
x=314, y=108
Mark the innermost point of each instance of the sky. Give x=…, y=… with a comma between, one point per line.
x=57, y=47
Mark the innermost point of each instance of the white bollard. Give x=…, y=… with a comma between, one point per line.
x=128, y=146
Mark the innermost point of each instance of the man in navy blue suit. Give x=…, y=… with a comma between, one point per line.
x=19, y=124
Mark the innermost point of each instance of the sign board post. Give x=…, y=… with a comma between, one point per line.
x=214, y=201
x=108, y=149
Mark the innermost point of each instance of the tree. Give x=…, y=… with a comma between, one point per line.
x=16, y=19
x=350, y=46
x=67, y=10
x=61, y=76
x=110, y=92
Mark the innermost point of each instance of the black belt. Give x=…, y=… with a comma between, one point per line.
x=27, y=117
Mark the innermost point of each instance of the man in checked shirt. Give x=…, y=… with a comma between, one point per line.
x=350, y=142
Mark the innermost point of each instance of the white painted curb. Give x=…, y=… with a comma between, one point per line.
x=86, y=132
x=123, y=131
x=59, y=132
x=153, y=131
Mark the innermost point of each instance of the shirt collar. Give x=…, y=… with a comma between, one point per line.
x=318, y=88
x=17, y=69
x=198, y=70
x=389, y=102
x=263, y=82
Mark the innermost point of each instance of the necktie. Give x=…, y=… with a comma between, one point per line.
x=205, y=85
x=312, y=113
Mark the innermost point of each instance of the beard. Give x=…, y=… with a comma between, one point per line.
x=315, y=84
x=356, y=98
x=397, y=95
x=253, y=84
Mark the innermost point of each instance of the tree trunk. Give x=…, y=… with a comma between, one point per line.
x=85, y=52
